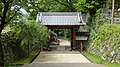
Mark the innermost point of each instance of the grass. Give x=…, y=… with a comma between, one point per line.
x=26, y=60
x=98, y=60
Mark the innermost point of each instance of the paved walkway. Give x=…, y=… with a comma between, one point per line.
x=61, y=57
x=64, y=42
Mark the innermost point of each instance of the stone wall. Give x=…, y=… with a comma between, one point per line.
x=13, y=54
x=105, y=42
x=11, y=48
x=8, y=54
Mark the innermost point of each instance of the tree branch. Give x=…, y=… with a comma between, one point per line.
x=67, y=1
x=13, y=15
x=3, y=1
x=5, y=12
x=0, y=16
x=10, y=1
x=15, y=12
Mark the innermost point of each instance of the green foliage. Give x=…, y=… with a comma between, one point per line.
x=31, y=33
x=66, y=33
x=63, y=32
x=35, y=6
x=88, y=6
x=105, y=42
x=23, y=37
x=94, y=9
x=13, y=7
x=95, y=21
x=58, y=5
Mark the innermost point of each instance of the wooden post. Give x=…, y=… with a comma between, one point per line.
x=113, y=3
x=74, y=37
x=81, y=47
x=71, y=39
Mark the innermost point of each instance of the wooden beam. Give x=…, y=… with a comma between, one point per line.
x=61, y=26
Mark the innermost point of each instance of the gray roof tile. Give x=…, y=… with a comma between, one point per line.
x=60, y=18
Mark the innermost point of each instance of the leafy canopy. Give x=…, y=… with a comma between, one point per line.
x=88, y=6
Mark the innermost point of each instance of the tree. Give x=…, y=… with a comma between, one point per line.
x=33, y=7
x=70, y=4
x=58, y=5
x=8, y=10
x=88, y=6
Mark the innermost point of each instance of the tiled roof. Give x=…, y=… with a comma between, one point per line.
x=60, y=18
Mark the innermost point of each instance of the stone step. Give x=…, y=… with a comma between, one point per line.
x=64, y=65
x=60, y=48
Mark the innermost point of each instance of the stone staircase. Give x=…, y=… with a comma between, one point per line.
x=59, y=48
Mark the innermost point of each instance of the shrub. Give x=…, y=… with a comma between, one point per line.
x=105, y=42
x=23, y=37
x=33, y=34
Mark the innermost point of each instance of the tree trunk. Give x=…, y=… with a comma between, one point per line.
x=1, y=46
x=2, y=24
x=1, y=54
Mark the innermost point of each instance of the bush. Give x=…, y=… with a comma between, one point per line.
x=33, y=34
x=23, y=37
x=105, y=42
